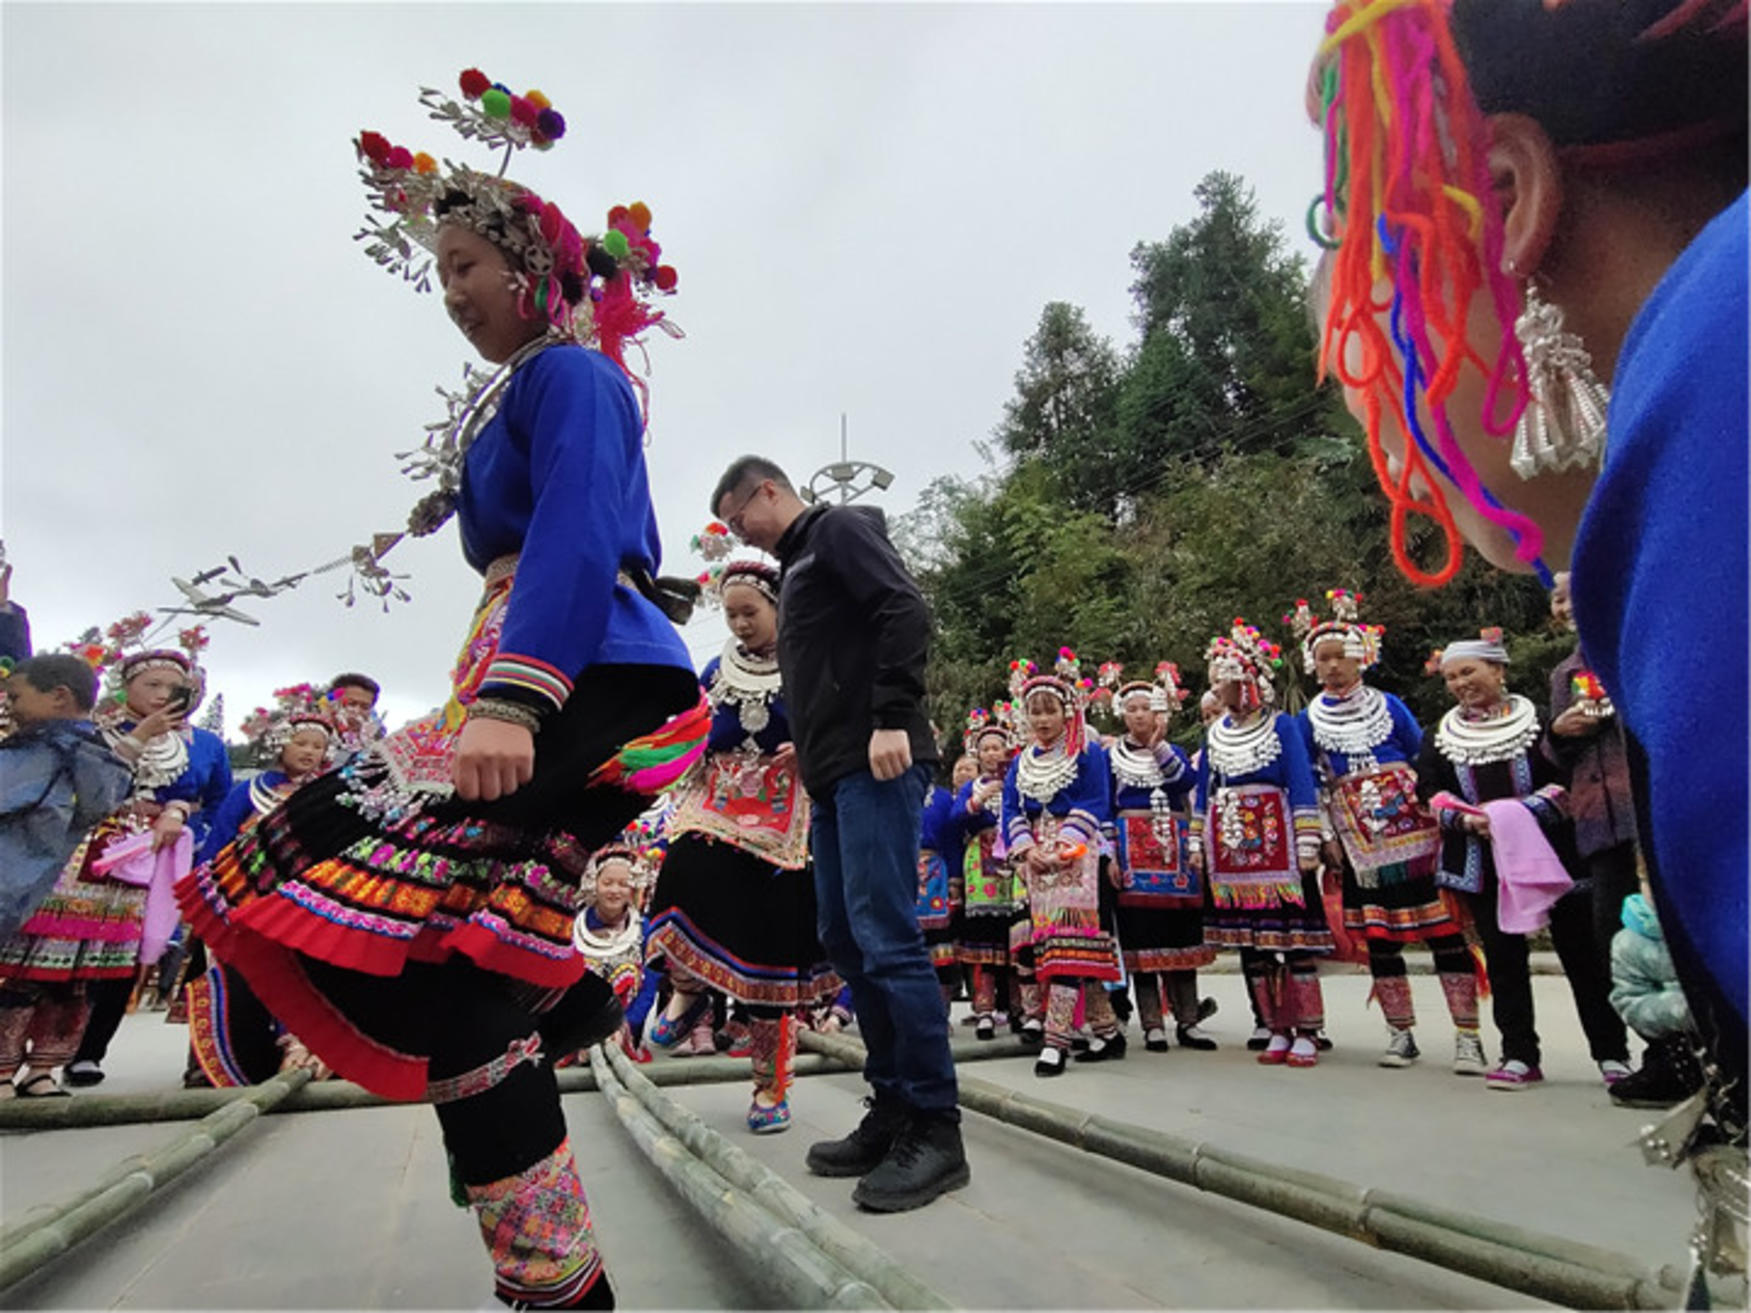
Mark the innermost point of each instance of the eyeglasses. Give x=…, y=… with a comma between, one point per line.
x=735, y=521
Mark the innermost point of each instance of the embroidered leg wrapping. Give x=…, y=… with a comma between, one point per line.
x=1306, y=1001
x=774, y=1055
x=16, y=1010
x=1030, y=999
x=1148, y=1001
x=1264, y=979
x=1394, y=993
x=1062, y=997
x=1458, y=972
x=536, y=1225
x=1098, y=1007
x=57, y=1026
x=984, y=991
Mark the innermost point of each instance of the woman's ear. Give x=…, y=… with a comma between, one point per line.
x=1528, y=188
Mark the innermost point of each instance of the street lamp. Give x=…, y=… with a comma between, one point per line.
x=852, y=478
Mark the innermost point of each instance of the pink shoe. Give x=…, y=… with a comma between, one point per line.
x=1513, y=1075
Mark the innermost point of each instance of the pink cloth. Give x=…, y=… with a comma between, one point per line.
x=1529, y=875
x=132, y=861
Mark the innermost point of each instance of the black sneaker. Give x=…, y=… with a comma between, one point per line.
x=866, y=1147
x=926, y=1160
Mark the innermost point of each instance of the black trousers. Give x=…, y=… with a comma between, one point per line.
x=1614, y=879
x=109, y=1004
x=1572, y=932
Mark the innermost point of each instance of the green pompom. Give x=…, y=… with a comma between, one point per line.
x=614, y=242
x=495, y=104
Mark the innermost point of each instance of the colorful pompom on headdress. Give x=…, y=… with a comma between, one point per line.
x=595, y=290
x=1065, y=684
x=1248, y=657
x=301, y=706
x=1361, y=642
x=715, y=544
x=627, y=848
x=983, y=724
x=119, y=654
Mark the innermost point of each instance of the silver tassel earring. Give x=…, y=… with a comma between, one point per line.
x=1563, y=425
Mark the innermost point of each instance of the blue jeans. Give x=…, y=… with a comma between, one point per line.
x=865, y=836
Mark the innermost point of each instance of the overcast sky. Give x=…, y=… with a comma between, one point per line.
x=868, y=207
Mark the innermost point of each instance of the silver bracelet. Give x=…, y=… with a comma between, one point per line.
x=512, y=713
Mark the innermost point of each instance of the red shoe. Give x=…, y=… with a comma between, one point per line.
x=1276, y=1053
x=1303, y=1053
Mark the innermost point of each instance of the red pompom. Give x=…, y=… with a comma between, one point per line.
x=399, y=158
x=617, y=215
x=667, y=278
x=523, y=112
x=374, y=146
x=474, y=82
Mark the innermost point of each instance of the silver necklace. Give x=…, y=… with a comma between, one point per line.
x=1235, y=750
x=445, y=450
x=1135, y=767
x=1353, y=723
x=162, y=761
x=609, y=944
x=749, y=683
x=1043, y=776
x=1500, y=736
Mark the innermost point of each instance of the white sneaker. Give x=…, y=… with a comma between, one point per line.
x=1468, y=1055
x=1401, y=1049
x=1613, y=1071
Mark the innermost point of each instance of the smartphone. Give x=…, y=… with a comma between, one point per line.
x=180, y=700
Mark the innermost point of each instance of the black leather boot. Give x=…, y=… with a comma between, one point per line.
x=864, y=1149
x=926, y=1160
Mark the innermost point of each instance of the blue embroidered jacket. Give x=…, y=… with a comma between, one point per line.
x=1083, y=806
x=558, y=475
x=1290, y=771
x=727, y=733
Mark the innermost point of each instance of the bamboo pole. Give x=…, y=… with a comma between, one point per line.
x=329, y=1096
x=1549, y=1267
x=47, y=1232
x=788, y=1267
x=853, y=1252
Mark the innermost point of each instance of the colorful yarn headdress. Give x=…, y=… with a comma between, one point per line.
x=626, y=848
x=595, y=290
x=1245, y=655
x=1170, y=687
x=715, y=544
x=119, y=654
x=1361, y=642
x=1407, y=202
x=301, y=706
x=982, y=724
x=1066, y=684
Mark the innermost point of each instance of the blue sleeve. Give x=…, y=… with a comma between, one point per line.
x=215, y=786
x=1016, y=834
x=26, y=768
x=1182, y=779
x=14, y=632
x=1660, y=578
x=224, y=823
x=1297, y=768
x=1090, y=798
x=1406, y=733
x=583, y=436
x=640, y=1008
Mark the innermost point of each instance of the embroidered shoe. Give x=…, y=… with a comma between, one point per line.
x=1513, y=1075
x=1304, y=1052
x=1401, y=1049
x=1612, y=1071
x=769, y=1119
x=670, y=1031
x=1193, y=1037
x=1468, y=1054
x=1276, y=1051
x=1155, y=1040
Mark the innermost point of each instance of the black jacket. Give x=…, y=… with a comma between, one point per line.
x=853, y=637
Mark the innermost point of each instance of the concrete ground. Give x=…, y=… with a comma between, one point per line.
x=350, y=1209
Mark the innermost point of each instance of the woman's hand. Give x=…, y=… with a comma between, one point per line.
x=1195, y=860
x=1308, y=860
x=785, y=758
x=1477, y=824
x=167, y=828
x=494, y=759
x=1575, y=723
x=159, y=722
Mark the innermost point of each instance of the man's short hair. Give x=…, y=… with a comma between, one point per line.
x=744, y=470
x=53, y=670
x=353, y=680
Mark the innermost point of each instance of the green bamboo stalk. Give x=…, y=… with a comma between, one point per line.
x=328, y=1096
x=46, y=1233
x=853, y=1252
x=788, y=1267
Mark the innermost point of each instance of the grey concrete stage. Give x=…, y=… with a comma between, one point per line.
x=350, y=1209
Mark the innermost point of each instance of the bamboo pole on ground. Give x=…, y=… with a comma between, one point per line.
x=855, y=1253
x=1547, y=1267
x=330, y=1096
x=45, y=1233
x=788, y=1266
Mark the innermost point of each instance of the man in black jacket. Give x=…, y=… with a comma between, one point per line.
x=853, y=636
